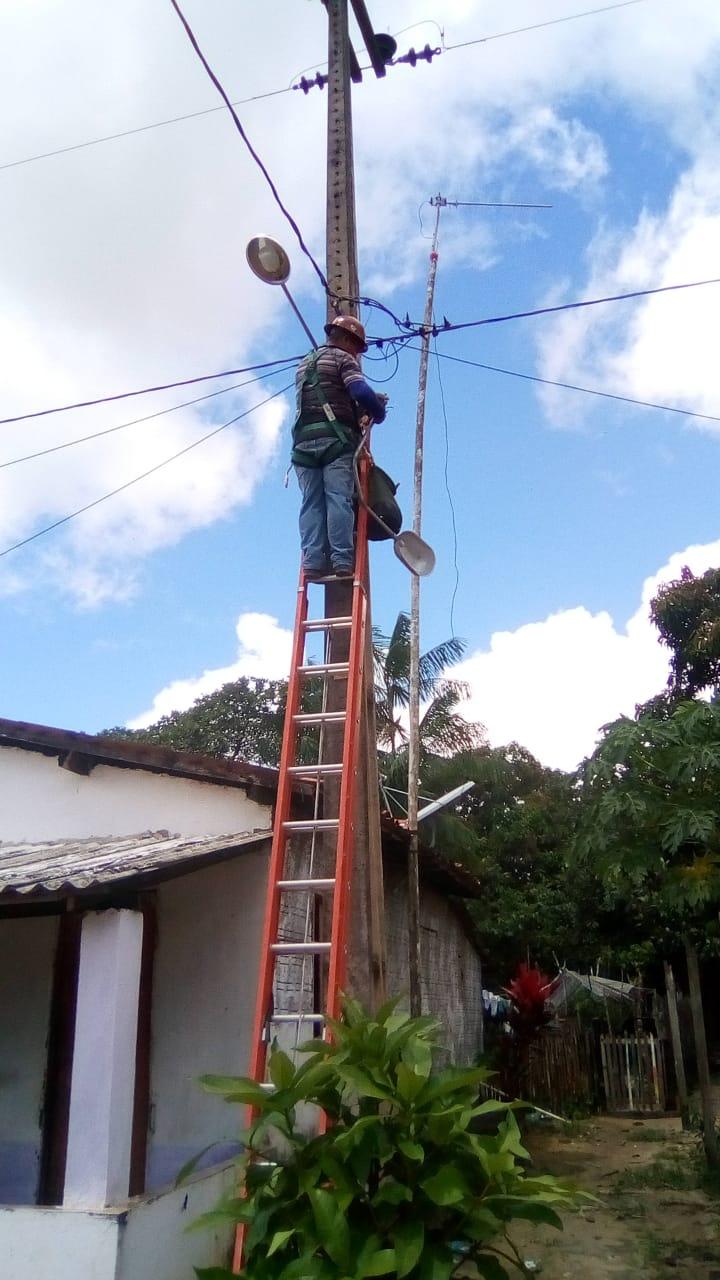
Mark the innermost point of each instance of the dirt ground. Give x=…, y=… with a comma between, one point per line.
x=653, y=1220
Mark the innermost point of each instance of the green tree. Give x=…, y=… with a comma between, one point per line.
x=444, y=731
x=241, y=721
x=686, y=613
x=651, y=830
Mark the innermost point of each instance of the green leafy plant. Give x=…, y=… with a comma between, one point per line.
x=399, y=1184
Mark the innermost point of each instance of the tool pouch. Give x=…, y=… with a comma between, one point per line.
x=381, y=500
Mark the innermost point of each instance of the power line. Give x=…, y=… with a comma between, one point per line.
x=143, y=391
x=143, y=128
x=449, y=494
x=158, y=466
x=448, y=327
x=536, y=26
x=274, y=93
x=571, y=386
x=67, y=444
x=236, y=119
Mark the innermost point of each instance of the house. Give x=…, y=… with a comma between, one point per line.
x=132, y=883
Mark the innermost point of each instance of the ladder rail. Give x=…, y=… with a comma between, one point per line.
x=348, y=785
x=279, y=843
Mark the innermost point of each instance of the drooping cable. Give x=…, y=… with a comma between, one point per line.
x=96, y=435
x=263, y=169
x=39, y=533
x=144, y=391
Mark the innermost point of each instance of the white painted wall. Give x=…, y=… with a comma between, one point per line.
x=40, y=801
x=206, y=964
x=154, y=1241
x=102, y=1093
x=54, y=1244
x=145, y=1240
x=27, y=951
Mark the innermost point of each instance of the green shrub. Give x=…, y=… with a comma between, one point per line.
x=399, y=1185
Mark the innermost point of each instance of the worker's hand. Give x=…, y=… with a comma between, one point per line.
x=382, y=396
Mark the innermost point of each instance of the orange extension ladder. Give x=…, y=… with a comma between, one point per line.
x=352, y=673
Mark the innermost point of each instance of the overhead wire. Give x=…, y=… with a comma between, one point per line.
x=536, y=26
x=238, y=125
x=145, y=391
x=273, y=93
x=96, y=435
x=39, y=533
x=143, y=128
x=572, y=386
x=449, y=327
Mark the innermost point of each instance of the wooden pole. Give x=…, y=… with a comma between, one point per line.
x=710, y=1141
x=671, y=995
x=366, y=958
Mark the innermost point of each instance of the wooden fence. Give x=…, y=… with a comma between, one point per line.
x=560, y=1069
x=634, y=1073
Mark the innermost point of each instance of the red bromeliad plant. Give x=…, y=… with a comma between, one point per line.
x=528, y=1016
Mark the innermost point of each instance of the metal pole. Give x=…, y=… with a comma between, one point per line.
x=414, y=949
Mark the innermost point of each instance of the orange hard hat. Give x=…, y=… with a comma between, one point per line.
x=349, y=325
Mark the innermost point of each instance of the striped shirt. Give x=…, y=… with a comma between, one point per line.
x=337, y=370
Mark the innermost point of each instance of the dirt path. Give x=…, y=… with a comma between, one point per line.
x=653, y=1222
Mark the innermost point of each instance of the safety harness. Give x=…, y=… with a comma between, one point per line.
x=317, y=428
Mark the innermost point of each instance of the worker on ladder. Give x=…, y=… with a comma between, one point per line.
x=332, y=397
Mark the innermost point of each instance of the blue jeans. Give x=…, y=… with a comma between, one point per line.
x=327, y=512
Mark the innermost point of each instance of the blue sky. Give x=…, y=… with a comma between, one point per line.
x=123, y=265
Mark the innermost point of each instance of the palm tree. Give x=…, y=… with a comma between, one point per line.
x=444, y=732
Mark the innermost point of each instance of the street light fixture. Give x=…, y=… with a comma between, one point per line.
x=270, y=263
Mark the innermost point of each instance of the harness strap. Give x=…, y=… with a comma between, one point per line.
x=303, y=432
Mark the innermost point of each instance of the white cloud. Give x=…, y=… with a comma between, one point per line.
x=263, y=650
x=123, y=264
x=663, y=348
x=551, y=685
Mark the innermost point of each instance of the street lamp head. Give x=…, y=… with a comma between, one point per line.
x=268, y=260
x=416, y=554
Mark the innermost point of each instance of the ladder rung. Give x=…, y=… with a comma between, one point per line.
x=288, y=885
x=314, y=770
x=319, y=717
x=300, y=948
x=324, y=669
x=312, y=824
x=297, y=1017
x=327, y=624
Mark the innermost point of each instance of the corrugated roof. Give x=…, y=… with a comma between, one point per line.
x=59, y=865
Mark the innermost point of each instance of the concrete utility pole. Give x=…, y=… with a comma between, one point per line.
x=414, y=699
x=366, y=958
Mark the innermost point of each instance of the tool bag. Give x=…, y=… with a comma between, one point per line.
x=381, y=500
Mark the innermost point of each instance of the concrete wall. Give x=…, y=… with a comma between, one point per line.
x=27, y=951
x=451, y=979
x=206, y=965
x=113, y=801
x=145, y=1241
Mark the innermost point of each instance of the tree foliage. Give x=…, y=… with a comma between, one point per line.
x=399, y=1185
x=651, y=818
x=686, y=613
